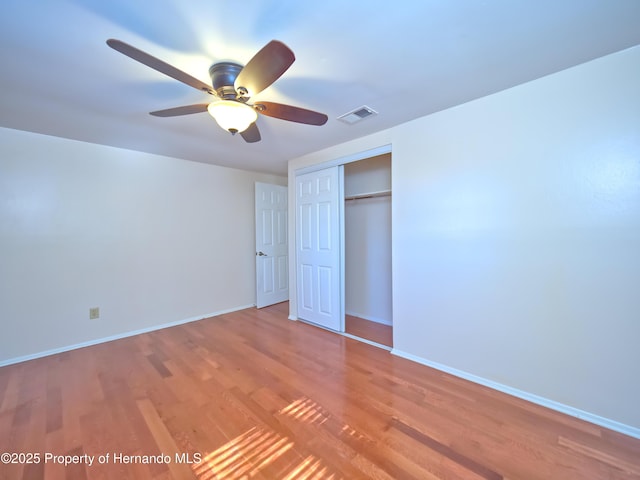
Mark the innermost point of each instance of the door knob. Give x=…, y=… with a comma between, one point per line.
x=260, y=254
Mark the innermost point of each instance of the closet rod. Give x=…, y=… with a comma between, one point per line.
x=385, y=193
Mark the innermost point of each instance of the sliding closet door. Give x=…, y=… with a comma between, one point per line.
x=318, y=198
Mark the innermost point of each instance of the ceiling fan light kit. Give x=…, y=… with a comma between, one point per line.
x=233, y=84
x=232, y=115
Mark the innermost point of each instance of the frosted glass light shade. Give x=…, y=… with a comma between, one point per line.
x=231, y=115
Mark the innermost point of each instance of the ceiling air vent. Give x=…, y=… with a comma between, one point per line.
x=356, y=115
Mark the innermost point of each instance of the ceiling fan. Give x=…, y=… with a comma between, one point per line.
x=233, y=85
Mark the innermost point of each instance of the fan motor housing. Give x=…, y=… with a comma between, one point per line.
x=223, y=75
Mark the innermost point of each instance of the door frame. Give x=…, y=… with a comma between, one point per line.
x=293, y=259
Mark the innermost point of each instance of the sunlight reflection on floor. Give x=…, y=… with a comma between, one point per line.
x=243, y=456
x=246, y=455
x=306, y=410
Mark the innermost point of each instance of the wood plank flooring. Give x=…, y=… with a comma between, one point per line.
x=376, y=332
x=251, y=394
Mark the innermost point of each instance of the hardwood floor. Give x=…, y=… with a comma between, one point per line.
x=253, y=395
x=376, y=332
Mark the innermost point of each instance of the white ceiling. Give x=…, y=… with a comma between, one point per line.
x=404, y=59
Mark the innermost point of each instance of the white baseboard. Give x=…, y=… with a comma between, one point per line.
x=545, y=402
x=118, y=336
x=364, y=340
x=370, y=318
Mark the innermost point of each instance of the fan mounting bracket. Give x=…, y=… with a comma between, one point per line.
x=223, y=75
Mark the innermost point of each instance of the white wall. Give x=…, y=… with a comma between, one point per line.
x=150, y=240
x=367, y=224
x=516, y=238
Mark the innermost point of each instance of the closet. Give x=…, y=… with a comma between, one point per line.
x=367, y=230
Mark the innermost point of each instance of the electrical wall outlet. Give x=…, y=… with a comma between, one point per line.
x=94, y=313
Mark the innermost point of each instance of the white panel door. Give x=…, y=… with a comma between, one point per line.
x=318, y=247
x=272, y=270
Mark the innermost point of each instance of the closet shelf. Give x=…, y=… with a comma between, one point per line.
x=382, y=193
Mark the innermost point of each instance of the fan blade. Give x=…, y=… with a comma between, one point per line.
x=264, y=68
x=177, y=111
x=251, y=134
x=159, y=65
x=292, y=114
